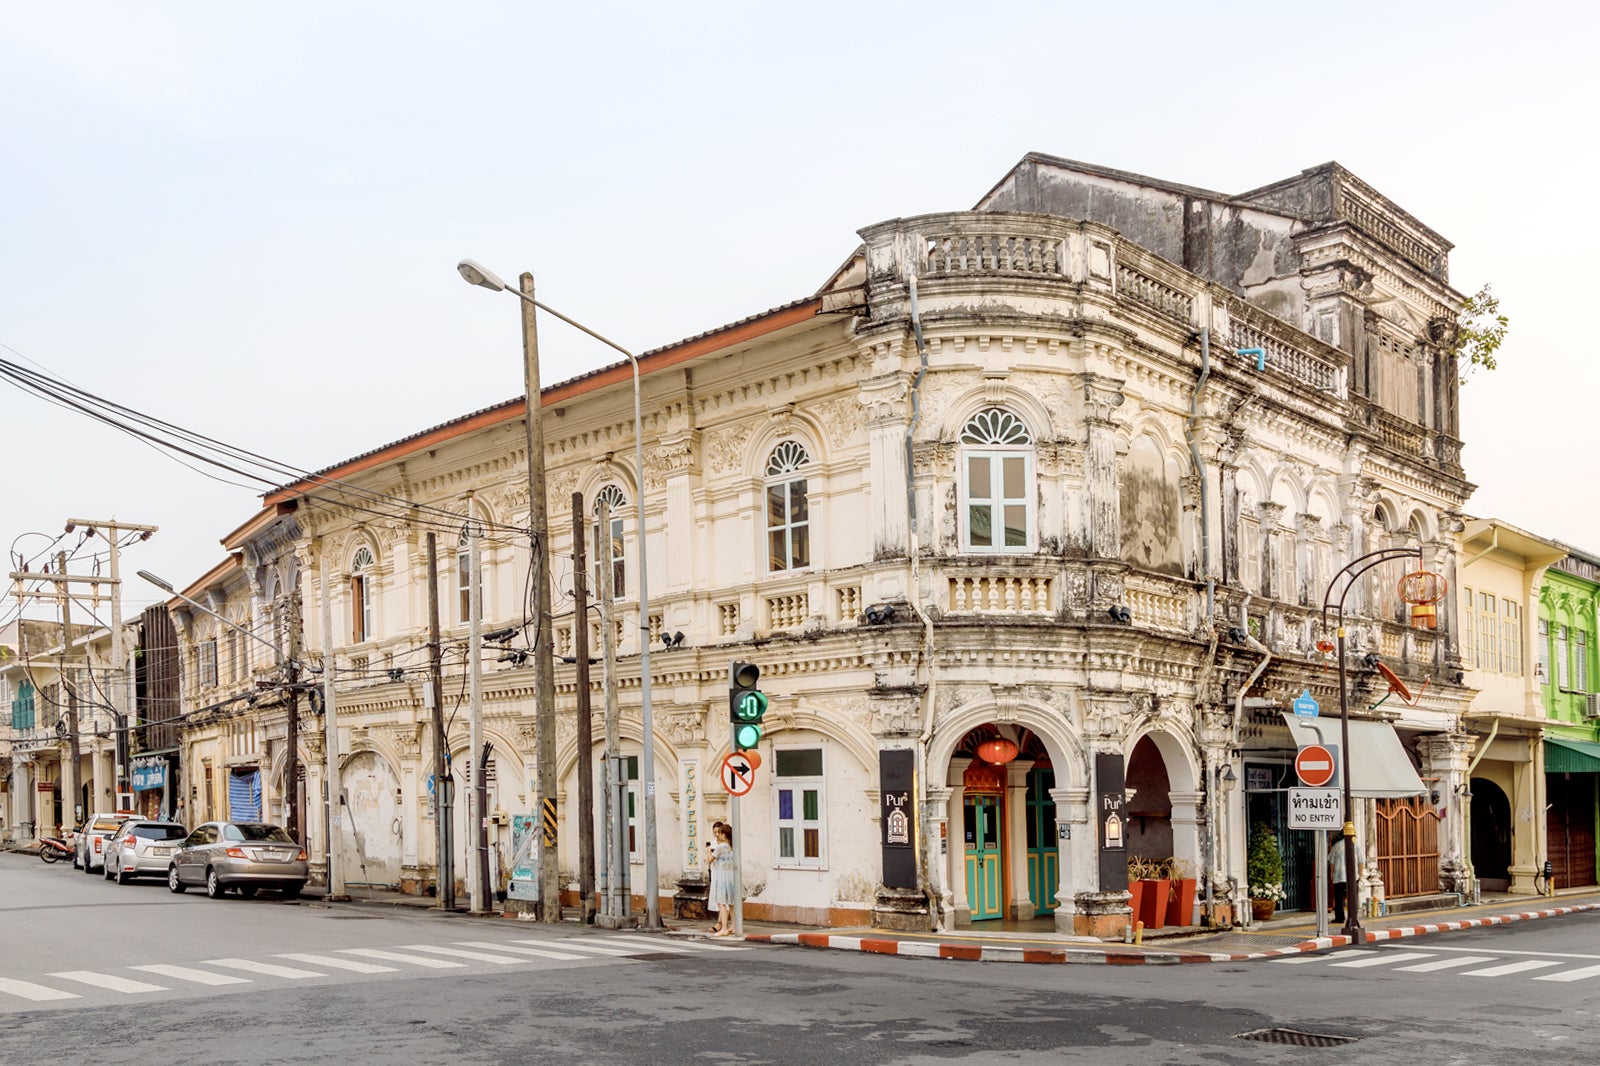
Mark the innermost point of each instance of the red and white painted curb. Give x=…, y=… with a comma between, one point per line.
x=1117, y=955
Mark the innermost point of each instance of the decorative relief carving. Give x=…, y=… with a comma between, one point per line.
x=724, y=448
x=1101, y=397
x=1064, y=458
x=686, y=727
x=936, y=458
x=840, y=417
x=886, y=398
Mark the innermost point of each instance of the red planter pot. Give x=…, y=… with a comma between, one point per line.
x=1180, y=904
x=1136, y=904
x=1153, y=909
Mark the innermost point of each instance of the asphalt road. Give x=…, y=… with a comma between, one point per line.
x=93, y=972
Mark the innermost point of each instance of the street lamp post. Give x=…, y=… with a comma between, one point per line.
x=1354, y=569
x=485, y=278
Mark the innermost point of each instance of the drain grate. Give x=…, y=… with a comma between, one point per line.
x=1294, y=1038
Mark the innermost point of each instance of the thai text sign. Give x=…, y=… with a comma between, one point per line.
x=1315, y=808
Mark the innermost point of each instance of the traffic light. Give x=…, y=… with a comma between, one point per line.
x=746, y=704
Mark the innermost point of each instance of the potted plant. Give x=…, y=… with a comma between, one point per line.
x=1152, y=877
x=1180, y=899
x=1264, y=871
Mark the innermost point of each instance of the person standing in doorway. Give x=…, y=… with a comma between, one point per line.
x=1337, y=876
x=724, y=893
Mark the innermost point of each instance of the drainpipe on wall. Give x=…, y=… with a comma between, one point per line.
x=1200, y=472
x=935, y=896
x=1243, y=917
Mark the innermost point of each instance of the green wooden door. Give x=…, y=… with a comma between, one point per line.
x=983, y=857
x=1044, y=859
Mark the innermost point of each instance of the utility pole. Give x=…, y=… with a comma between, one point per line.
x=544, y=655
x=618, y=897
x=478, y=889
x=71, y=689
x=441, y=779
x=333, y=793
x=119, y=692
x=291, y=765
x=580, y=650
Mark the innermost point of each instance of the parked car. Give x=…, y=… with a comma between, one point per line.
x=243, y=855
x=141, y=849
x=91, y=843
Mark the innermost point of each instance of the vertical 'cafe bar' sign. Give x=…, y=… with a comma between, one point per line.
x=1111, y=814
x=897, y=780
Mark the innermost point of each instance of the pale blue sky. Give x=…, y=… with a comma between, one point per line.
x=247, y=220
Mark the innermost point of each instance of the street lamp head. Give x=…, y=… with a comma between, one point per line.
x=480, y=276
x=156, y=581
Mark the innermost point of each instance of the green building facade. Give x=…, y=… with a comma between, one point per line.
x=1569, y=683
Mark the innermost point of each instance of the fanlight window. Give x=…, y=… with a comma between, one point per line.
x=361, y=566
x=788, y=510
x=464, y=576
x=608, y=546
x=997, y=483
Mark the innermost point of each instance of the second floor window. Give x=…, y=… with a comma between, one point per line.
x=996, y=483
x=464, y=578
x=1563, y=657
x=361, y=566
x=1511, y=637
x=1488, y=654
x=608, y=548
x=22, y=707
x=788, y=512
x=1580, y=660
x=1544, y=652
x=206, y=663
x=1468, y=629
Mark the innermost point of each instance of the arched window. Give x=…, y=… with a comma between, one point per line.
x=608, y=546
x=788, y=512
x=361, y=566
x=997, y=483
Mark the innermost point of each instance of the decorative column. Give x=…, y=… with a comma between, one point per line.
x=1446, y=757
x=938, y=853
x=884, y=396
x=1075, y=852
x=1103, y=506
x=960, y=908
x=1186, y=828
x=1272, y=552
x=901, y=902
x=1017, y=833
x=679, y=457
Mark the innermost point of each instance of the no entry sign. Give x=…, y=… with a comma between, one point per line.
x=1314, y=764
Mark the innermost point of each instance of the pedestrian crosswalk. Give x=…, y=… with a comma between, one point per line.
x=1456, y=962
x=90, y=986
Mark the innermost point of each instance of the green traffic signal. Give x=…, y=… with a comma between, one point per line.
x=746, y=704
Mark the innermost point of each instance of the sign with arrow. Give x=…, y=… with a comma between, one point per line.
x=738, y=773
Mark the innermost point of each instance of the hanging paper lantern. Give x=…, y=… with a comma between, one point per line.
x=1422, y=590
x=998, y=751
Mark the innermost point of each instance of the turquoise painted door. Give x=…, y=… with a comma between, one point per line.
x=983, y=857
x=1044, y=858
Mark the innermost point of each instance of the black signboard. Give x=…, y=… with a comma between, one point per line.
x=897, y=785
x=1110, y=812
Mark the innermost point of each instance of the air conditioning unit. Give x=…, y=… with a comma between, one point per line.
x=1591, y=705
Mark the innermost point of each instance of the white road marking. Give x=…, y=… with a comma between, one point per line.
x=584, y=945
x=1540, y=954
x=1512, y=967
x=683, y=946
x=1291, y=960
x=559, y=956
x=105, y=980
x=1446, y=964
x=339, y=964
x=270, y=969
x=36, y=993
x=396, y=956
x=475, y=956
x=199, y=977
x=1385, y=958
x=1582, y=974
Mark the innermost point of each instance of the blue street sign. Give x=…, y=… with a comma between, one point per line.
x=1304, y=705
x=430, y=784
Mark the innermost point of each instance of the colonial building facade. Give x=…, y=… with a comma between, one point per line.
x=1072, y=470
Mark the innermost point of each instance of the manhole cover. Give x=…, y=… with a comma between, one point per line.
x=1294, y=1038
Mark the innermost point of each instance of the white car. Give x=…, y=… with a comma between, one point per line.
x=91, y=844
x=142, y=849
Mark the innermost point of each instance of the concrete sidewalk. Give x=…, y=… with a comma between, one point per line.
x=1291, y=936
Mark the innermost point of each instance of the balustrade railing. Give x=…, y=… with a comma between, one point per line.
x=1156, y=295
x=1301, y=365
x=999, y=594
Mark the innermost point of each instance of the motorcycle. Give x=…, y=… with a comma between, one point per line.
x=53, y=849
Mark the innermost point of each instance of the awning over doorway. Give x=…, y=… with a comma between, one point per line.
x=1379, y=766
x=1570, y=756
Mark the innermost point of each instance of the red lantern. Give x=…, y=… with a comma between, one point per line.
x=998, y=751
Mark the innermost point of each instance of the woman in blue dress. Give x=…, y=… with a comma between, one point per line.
x=723, y=890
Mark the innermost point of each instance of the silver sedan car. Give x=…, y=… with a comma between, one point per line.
x=141, y=849
x=243, y=855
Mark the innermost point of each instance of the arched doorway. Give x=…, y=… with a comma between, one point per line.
x=1491, y=835
x=370, y=846
x=1009, y=865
